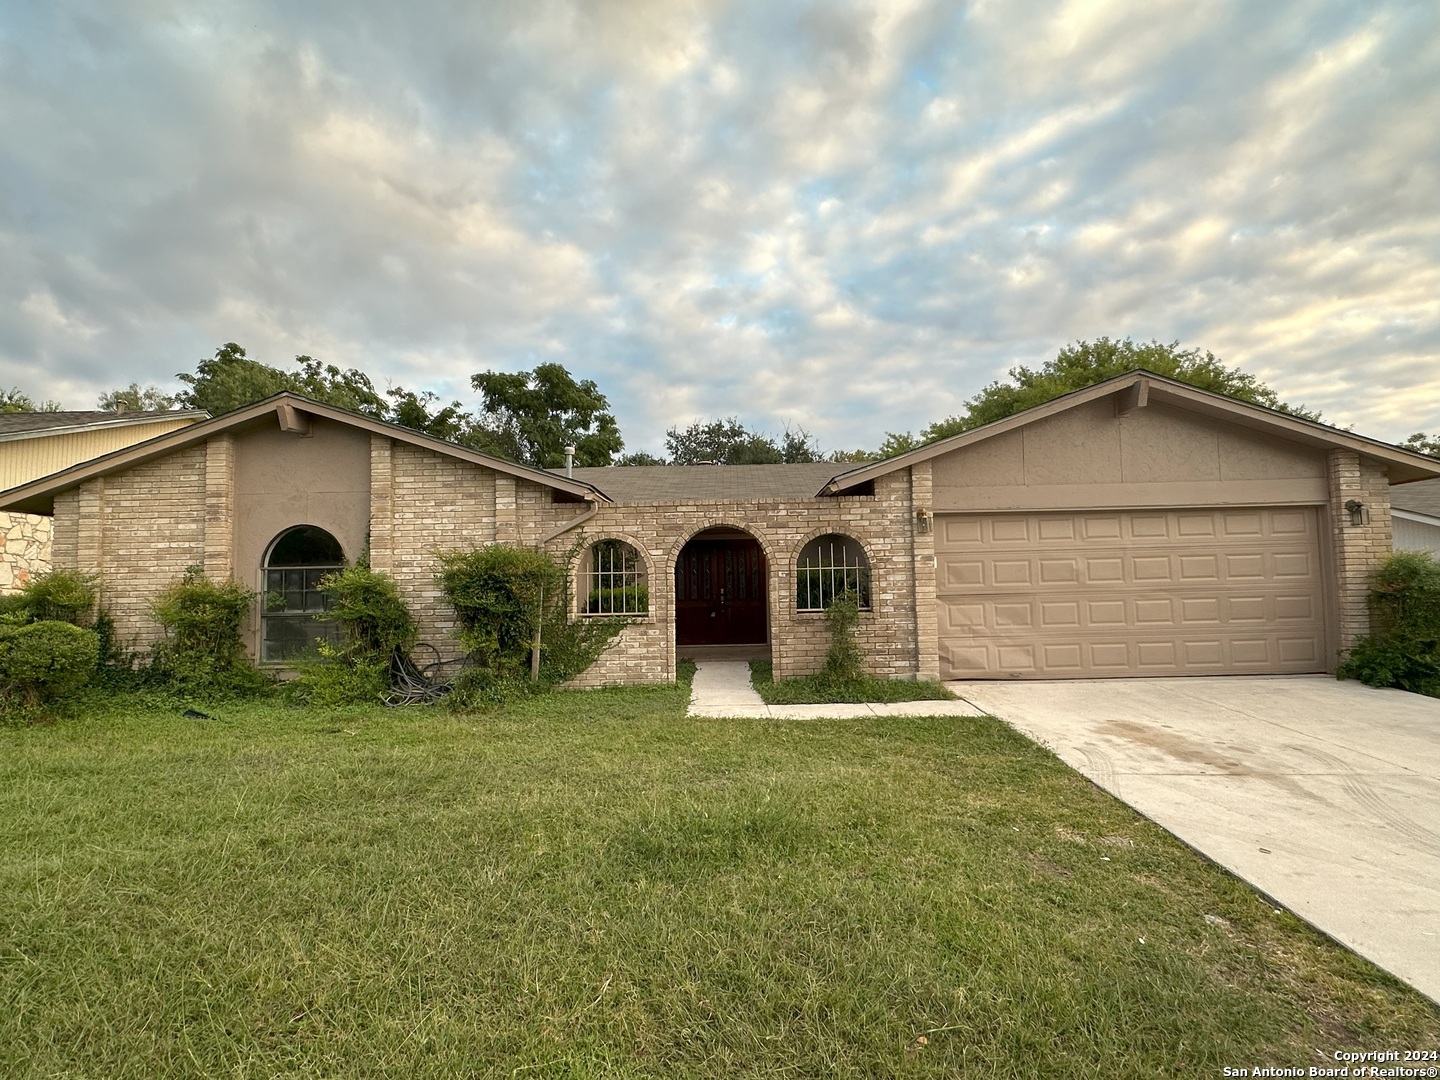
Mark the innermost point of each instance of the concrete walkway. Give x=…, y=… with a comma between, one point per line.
x=722, y=688
x=1324, y=795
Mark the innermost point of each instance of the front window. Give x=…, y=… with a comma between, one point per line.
x=830, y=566
x=615, y=580
x=297, y=562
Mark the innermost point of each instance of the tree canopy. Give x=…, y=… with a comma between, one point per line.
x=134, y=398
x=729, y=442
x=17, y=400
x=1088, y=362
x=230, y=380
x=536, y=414
x=1423, y=444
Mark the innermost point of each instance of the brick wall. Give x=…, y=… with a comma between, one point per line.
x=1356, y=550
x=141, y=528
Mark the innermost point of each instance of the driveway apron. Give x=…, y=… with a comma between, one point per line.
x=1324, y=795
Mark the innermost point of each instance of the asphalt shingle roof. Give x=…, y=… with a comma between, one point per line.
x=1421, y=497
x=11, y=423
x=711, y=483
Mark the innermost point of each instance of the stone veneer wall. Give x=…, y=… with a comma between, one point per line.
x=25, y=551
x=1356, y=550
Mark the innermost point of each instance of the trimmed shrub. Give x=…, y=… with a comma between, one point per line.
x=44, y=661
x=1403, y=650
x=202, y=653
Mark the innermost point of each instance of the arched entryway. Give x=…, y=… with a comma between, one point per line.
x=720, y=590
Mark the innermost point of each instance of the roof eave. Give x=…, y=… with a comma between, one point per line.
x=120, y=420
x=1408, y=465
x=38, y=496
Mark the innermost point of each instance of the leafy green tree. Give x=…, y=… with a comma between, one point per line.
x=533, y=415
x=1423, y=444
x=854, y=456
x=725, y=442
x=231, y=380
x=133, y=398
x=1088, y=362
x=639, y=457
x=16, y=400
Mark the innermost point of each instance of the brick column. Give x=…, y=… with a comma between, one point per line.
x=927, y=631
x=220, y=506
x=382, y=504
x=1357, y=550
x=90, y=526
x=507, y=526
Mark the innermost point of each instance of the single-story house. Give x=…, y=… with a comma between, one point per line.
x=36, y=444
x=1140, y=526
x=1416, y=510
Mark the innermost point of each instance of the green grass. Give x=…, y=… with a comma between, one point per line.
x=591, y=884
x=818, y=690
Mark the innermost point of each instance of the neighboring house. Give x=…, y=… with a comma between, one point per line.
x=1137, y=527
x=36, y=444
x=1416, y=509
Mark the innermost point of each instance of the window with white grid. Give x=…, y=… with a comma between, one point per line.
x=616, y=582
x=830, y=566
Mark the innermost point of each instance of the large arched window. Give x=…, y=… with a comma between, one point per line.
x=830, y=566
x=615, y=580
x=294, y=566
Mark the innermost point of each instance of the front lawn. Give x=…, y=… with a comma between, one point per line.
x=592, y=884
x=819, y=690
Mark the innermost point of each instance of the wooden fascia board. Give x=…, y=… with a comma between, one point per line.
x=1410, y=465
x=31, y=497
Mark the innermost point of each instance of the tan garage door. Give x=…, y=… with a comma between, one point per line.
x=1094, y=594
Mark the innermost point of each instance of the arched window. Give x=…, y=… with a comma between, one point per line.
x=297, y=561
x=615, y=580
x=830, y=566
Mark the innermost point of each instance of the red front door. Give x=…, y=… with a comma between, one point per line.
x=720, y=593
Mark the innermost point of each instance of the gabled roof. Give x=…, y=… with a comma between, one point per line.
x=32, y=425
x=1420, y=498
x=638, y=484
x=38, y=496
x=1143, y=387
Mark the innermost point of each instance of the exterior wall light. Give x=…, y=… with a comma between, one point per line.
x=922, y=520
x=1358, y=515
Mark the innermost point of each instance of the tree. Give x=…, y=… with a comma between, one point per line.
x=16, y=400
x=855, y=456
x=1423, y=444
x=1088, y=362
x=134, y=399
x=534, y=415
x=640, y=457
x=230, y=380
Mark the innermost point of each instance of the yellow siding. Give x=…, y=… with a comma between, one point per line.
x=23, y=460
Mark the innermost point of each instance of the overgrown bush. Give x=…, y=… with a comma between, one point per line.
x=379, y=632
x=43, y=661
x=60, y=596
x=503, y=596
x=202, y=653
x=1403, y=649
x=843, y=658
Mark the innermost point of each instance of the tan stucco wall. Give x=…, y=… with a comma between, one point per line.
x=283, y=479
x=1154, y=456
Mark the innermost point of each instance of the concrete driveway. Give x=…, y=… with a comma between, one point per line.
x=1322, y=794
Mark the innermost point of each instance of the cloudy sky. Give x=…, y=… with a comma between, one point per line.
x=849, y=216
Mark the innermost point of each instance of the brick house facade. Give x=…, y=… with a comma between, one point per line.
x=1136, y=527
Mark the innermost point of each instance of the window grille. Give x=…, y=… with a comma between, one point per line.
x=616, y=583
x=829, y=567
x=298, y=561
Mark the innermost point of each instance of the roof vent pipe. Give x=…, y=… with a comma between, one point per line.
x=569, y=461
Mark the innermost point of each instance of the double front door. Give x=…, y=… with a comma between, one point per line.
x=720, y=593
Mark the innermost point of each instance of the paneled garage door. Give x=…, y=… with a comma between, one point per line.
x=1094, y=594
